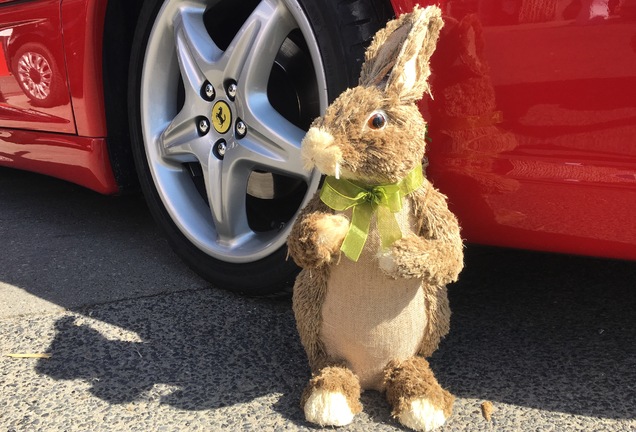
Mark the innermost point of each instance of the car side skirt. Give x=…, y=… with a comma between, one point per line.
x=80, y=160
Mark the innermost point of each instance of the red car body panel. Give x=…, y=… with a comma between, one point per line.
x=66, y=137
x=83, y=28
x=81, y=160
x=533, y=124
x=26, y=28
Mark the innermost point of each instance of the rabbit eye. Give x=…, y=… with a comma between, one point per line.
x=376, y=121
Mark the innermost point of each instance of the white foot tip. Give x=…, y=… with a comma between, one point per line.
x=422, y=416
x=328, y=409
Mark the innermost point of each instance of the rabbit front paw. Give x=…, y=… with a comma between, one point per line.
x=331, y=231
x=319, y=240
x=403, y=259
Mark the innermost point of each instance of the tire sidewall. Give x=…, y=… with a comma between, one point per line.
x=321, y=19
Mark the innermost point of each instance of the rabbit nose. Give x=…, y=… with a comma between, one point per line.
x=318, y=149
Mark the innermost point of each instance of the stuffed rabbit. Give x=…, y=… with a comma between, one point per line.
x=377, y=244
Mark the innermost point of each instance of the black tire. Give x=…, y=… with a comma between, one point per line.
x=341, y=29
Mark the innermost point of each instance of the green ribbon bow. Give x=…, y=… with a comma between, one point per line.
x=340, y=195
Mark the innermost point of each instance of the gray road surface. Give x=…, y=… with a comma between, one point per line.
x=139, y=343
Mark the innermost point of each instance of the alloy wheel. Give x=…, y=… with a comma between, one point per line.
x=224, y=106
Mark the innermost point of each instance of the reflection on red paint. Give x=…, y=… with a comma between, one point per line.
x=83, y=44
x=4, y=69
x=41, y=73
x=35, y=78
x=533, y=125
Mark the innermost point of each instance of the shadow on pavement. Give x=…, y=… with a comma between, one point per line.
x=213, y=349
x=74, y=247
x=545, y=331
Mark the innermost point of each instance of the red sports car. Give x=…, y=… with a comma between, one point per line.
x=203, y=103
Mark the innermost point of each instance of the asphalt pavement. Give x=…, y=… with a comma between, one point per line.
x=140, y=343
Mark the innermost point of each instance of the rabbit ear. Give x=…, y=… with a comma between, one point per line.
x=398, y=58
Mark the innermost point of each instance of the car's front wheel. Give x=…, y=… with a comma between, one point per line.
x=221, y=94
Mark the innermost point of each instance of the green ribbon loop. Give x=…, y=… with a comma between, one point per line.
x=341, y=194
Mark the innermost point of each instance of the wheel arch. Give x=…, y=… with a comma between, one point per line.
x=120, y=22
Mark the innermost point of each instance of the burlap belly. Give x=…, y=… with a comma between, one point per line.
x=369, y=319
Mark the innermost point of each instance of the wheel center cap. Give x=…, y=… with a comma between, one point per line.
x=221, y=117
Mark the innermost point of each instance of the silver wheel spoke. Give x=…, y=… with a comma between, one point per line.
x=250, y=56
x=180, y=142
x=226, y=186
x=196, y=51
x=179, y=134
x=273, y=143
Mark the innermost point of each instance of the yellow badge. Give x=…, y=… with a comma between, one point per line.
x=221, y=117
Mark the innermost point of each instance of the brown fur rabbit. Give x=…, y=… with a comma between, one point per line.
x=368, y=319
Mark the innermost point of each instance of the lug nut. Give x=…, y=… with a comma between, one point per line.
x=231, y=90
x=207, y=92
x=219, y=149
x=203, y=126
x=241, y=128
